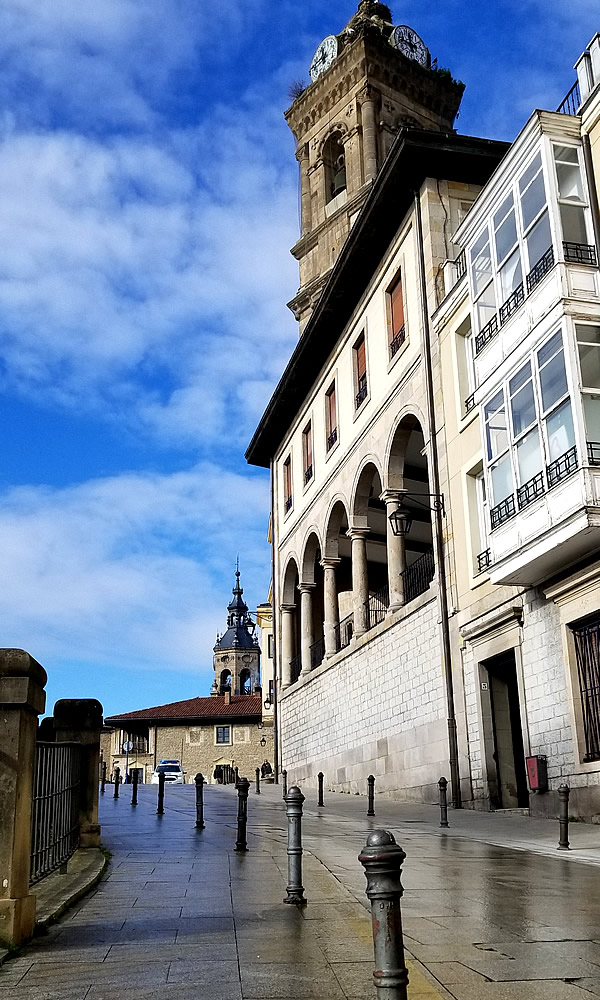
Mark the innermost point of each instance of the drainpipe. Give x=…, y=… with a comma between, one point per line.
x=439, y=543
x=275, y=643
x=589, y=169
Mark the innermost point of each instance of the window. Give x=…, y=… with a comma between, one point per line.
x=360, y=370
x=287, y=484
x=586, y=636
x=397, y=327
x=588, y=347
x=477, y=519
x=464, y=360
x=334, y=161
x=270, y=645
x=223, y=734
x=482, y=279
x=536, y=222
x=307, y=453
x=572, y=204
x=331, y=417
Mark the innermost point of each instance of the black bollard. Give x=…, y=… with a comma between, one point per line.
x=320, y=777
x=236, y=775
x=134, y=784
x=103, y=778
x=443, y=787
x=371, y=795
x=117, y=780
x=199, y=779
x=258, y=780
x=563, y=818
x=382, y=860
x=160, y=806
x=284, y=780
x=293, y=809
x=243, y=787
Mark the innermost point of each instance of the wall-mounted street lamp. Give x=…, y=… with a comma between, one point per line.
x=267, y=704
x=401, y=520
x=263, y=742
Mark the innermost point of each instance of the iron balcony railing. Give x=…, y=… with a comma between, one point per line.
x=397, y=341
x=512, y=304
x=332, y=438
x=562, y=467
x=55, y=811
x=461, y=265
x=484, y=560
x=361, y=395
x=544, y=264
x=503, y=512
x=580, y=253
x=587, y=654
x=490, y=330
x=317, y=652
x=418, y=576
x=469, y=403
x=344, y=632
x=531, y=490
x=376, y=607
x=308, y=474
x=288, y=504
x=295, y=668
x=593, y=450
x=571, y=102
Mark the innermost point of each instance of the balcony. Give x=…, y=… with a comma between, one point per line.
x=361, y=395
x=551, y=522
x=308, y=474
x=331, y=439
x=397, y=341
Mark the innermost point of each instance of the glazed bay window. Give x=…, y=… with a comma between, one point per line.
x=572, y=206
x=307, y=453
x=508, y=258
x=331, y=429
x=537, y=237
x=287, y=484
x=588, y=347
x=530, y=439
x=484, y=293
x=360, y=370
x=397, y=326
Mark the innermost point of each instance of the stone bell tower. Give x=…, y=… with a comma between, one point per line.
x=366, y=84
x=236, y=652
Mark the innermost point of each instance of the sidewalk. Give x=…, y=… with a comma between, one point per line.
x=181, y=915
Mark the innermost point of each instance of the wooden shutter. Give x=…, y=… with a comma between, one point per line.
x=397, y=307
x=308, y=447
x=331, y=410
x=361, y=360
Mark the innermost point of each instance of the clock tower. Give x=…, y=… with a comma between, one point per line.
x=367, y=83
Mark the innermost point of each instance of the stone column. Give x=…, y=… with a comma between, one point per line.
x=396, y=551
x=287, y=643
x=369, y=130
x=79, y=720
x=306, y=625
x=302, y=155
x=360, y=578
x=22, y=699
x=332, y=611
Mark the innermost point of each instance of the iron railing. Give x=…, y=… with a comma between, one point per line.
x=484, y=560
x=332, y=438
x=288, y=504
x=461, y=265
x=512, y=304
x=317, y=652
x=55, y=812
x=580, y=253
x=490, y=330
x=397, y=341
x=571, y=102
x=377, y=606
x=308, y=474
x=295, y=668
x=469, y=403
x=593, y=450
x=540, y=269
x=503, y=512
x=562, y=467
x=418, y=576
x=344, y=632
x=530, y=491
x=361, y=395
x=587, y=654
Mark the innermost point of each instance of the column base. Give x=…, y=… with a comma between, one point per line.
x=395, y=607
x=90, y=837
x=17, y=920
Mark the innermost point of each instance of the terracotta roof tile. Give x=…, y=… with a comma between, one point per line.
x=241, y=706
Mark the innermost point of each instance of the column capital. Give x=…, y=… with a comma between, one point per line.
x=368, y=93
x=302, y=153
x=330, y=562
x=306, y=588
x=288, y=608
x=353, y=533
x=393, y=496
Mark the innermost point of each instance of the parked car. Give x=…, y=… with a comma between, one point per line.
x=172, y=770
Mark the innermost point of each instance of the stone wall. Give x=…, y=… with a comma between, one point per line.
x=379, y=709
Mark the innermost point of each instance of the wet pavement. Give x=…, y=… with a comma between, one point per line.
x=181, y=915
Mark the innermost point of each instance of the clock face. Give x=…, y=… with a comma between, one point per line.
x=324, y=56
x=410, y=45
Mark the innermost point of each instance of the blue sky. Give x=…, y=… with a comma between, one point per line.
x=148, y=198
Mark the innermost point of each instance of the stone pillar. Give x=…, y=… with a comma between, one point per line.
x=332, y=610
x=369, y=131
x=79, y=720
x=302, y=155
x=22, y=699
x=287, y=643
x=396, y=551
x=360, y=578
x=306, y=625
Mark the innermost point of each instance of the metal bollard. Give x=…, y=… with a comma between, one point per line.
x=117, y=780
x=243, y=787
x=284, y=780
x=293, y=809
x=563, y=818
x=443, y=787
x=103, y=778
x=382, y=860
x=160, y=806
x=371, y=795
x=134, y=786
x=199, y=779
x=236, y=776
x=258, y=780
x=320, y=777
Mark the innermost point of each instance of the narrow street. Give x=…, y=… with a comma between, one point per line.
x=181, y=915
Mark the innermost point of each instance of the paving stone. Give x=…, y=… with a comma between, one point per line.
x=69, y=974
x=284, y=982
x=524, y=990
x=203, y=971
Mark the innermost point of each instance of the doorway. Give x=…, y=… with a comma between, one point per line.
x=507, y=776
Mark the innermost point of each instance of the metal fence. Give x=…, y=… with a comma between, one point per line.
x=55, y=813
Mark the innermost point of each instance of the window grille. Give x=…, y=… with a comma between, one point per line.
x=587, y=653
